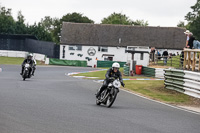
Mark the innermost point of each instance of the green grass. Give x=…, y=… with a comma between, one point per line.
x=153, y=89
x=11, y=60
x=101, y=74
x=14, y=61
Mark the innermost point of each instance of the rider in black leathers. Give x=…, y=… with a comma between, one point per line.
x=111, y=73
x=29, y=61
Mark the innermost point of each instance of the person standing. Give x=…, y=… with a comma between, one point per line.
x=152, y=54
x=187, y=32
x=165, y=56
x=191, y=40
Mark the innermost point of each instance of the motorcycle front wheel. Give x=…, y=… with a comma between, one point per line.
x=24, y=75
x=97, y=102
x=111, y=99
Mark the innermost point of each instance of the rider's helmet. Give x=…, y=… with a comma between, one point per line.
x=29, y=56
x=115, y=65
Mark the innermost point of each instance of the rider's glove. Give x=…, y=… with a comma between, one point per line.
x=122, y=84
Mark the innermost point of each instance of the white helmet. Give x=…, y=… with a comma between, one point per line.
x=115, y=65
x=29, y=56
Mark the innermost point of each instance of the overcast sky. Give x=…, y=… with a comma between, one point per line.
x=165, y=13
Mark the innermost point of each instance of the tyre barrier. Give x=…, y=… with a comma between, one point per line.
x=153, y=72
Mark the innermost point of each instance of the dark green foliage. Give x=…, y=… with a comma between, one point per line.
x=76, y=18
x=20, y=27
x=39, y=31
x=193, y=19
x=49, y=29
x=7, y=23
x=181, y=24
x=119, y=18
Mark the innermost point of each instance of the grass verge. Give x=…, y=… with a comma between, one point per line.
x=11, y=60
x=101, y=74
x=154, y=89
x=14, y=61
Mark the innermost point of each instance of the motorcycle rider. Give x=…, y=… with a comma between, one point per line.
x=29, y=61
x=111, y=73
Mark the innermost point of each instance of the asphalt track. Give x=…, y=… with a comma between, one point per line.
x=51, y=102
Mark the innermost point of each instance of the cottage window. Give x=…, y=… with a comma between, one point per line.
x=79, y=47
x=103, y=49
x=75, y=47
x=141, y=56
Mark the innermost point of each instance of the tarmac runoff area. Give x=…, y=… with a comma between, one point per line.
x=196, y=109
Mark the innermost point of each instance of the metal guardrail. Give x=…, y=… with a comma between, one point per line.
x=186, y=82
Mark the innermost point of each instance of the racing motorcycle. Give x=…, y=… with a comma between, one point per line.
x=108, y=96
x=27, y=69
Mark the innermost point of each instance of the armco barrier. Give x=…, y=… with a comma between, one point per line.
x=67, y=62
x=23, y=54
x=183, y=81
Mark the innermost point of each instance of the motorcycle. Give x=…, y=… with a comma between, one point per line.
x=108, y=96
x=27, y=69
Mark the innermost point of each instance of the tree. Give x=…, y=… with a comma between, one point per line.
x=193, y=19
x=181, y=24
x=38, y=30
x=20, y=28
x=7, y=23
x=73, y=17
x=140, y=23
x=76, y=18
x=52, y=26
x=47, y=22
x=56, y=30
x=117, y=18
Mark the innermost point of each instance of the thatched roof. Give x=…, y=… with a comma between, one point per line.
x=121, y=35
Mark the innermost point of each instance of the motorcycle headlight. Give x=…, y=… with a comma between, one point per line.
x=116, y=84
x=27, y=65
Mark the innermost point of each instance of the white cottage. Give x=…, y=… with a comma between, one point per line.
x=93, y=53
x=92, y=42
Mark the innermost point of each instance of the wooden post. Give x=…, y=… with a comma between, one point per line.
x=189, y=60
x=185, y=60
x=194, y=62
x=171, y=61
x=199, y=59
